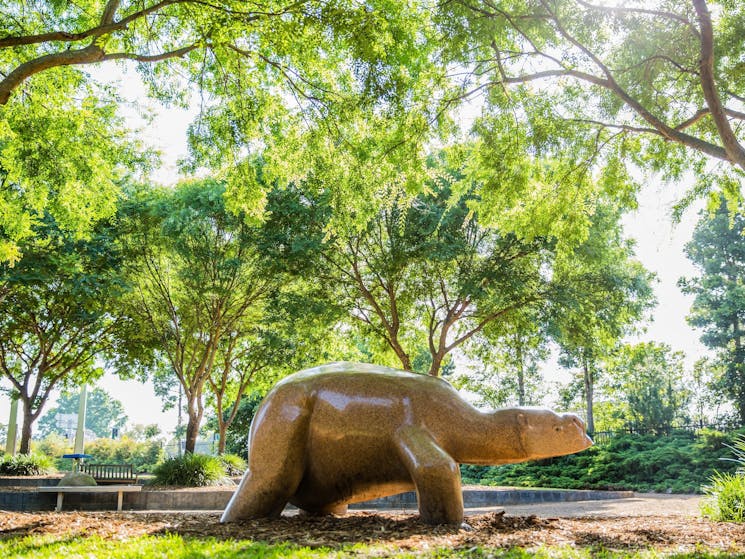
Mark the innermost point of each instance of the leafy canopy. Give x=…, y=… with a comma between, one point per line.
x=276, y=78
x=64, y=151
x=602, y=84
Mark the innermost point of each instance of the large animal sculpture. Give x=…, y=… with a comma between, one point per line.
x=348, y=432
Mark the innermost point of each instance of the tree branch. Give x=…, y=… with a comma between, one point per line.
x=107, y=25
x=659, y=127
x=87, y=55
x=151, y=57
x=643, y=11
x=735, y=152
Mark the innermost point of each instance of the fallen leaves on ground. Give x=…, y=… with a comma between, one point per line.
x=399, y=530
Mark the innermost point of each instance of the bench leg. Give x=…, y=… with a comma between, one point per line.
x=60, y=496
x=119, y=497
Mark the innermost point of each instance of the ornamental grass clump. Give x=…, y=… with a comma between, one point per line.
x=26, y=465
x=234, y=464
x=190, y=470
x=725, y=495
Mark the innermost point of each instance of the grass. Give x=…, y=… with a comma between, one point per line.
x=177, y=547
x=725, y=494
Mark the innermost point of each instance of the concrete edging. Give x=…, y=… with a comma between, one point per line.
x=217, y=498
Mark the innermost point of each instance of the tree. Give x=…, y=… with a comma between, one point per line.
x=55, y=318
x=280, y=39
x=507, y=355
x=424, y=275
x=236, y=437
x=598, y=87
x=102, y=413
x=707, y=388
x=649, y=377
x=717, y=249
x=601, y=291
x=140, y=432
x=199, y=288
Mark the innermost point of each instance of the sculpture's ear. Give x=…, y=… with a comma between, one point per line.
x=522, y=419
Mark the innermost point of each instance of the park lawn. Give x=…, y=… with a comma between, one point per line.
x=172, y=546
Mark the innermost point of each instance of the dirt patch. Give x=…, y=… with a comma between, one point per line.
x=495, y=529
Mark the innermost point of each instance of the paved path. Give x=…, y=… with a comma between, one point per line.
x=641, y=504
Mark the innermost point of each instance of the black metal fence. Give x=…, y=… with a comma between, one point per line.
x=692, y=430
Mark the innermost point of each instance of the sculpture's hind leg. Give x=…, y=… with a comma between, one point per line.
x=276, y=461
x=435, y=474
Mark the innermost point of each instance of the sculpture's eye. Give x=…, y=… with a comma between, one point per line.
x=557, y=428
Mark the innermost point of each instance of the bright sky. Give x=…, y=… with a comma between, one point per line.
x=659, y=247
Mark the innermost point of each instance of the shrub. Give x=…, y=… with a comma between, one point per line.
x=711, y=439
x=234, y=465
x=725, y=498
x=54, y=446
x=725, y=495
x=26, y=465
x=143, y=455
x=191, y=470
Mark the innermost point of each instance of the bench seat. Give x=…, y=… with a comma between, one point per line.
x=110, y=473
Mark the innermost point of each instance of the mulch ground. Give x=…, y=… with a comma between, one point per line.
x=678, y=533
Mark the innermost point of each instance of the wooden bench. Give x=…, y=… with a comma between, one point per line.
x=118, y=489
x=110, y=473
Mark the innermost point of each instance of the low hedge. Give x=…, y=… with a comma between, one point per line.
x=679, y=463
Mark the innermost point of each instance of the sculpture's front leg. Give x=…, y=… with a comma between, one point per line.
x=276, y=461
x=435, y=474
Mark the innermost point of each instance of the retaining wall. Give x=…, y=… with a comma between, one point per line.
x=22, y=497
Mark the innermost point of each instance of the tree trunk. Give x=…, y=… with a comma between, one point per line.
x=192, y=426
x=26, y=429
x=589, y=396
x=402, y=356
x=739, y=366
x=222, y=430
x=192, y=432
x=520, y=377
x=434, y=369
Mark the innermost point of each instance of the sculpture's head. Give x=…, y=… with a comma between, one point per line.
x=545, y=433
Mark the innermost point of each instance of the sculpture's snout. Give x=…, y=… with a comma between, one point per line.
x=580, y=425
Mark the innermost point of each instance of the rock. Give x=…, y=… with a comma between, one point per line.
x=77, y=479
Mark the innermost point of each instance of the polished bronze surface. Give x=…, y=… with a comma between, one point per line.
x=348, y=432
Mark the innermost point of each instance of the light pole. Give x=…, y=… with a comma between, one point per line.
x=178, y=426
x=10, y=444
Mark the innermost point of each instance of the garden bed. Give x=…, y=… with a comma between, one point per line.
x=494, y=530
